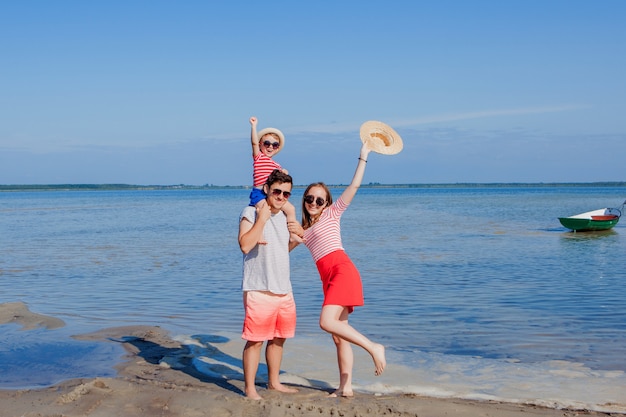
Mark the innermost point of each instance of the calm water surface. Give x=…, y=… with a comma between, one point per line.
x=481, y=278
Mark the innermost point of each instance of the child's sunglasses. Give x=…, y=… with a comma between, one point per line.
x=267, y=144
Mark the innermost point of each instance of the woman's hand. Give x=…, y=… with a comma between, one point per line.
x=295, y=228
x=365, y=150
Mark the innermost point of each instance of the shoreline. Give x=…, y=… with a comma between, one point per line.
x=158, y=377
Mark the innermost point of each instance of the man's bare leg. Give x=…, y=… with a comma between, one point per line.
x=274, y=358
x=251, y=358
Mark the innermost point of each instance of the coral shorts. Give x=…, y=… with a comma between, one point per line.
x=268, y=316
x=341, y=280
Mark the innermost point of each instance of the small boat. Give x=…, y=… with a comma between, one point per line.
x=601, y=219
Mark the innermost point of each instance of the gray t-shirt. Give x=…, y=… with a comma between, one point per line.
x=266, y=267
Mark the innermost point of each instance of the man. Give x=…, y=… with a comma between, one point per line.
x=270, y=309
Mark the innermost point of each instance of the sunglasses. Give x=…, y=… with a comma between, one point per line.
x=277, y=191
x=310, y=199
x=274, y=145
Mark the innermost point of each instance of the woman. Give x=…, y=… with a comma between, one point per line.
x=340, y=278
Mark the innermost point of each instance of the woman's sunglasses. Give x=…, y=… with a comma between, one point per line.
x=309, y=199
x=274, y=145
x=278, y=191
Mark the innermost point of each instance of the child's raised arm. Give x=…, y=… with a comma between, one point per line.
x=254, y=140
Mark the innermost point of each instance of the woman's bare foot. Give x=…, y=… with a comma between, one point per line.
x=282, y=388
x=345, y=393
x=378, y=355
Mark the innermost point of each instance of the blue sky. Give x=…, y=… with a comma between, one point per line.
x=160, y=92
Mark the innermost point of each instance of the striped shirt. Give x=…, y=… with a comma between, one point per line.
x=262, y=168
x=324, y=236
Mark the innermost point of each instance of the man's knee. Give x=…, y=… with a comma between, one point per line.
x=278, y=341
x=253, y=345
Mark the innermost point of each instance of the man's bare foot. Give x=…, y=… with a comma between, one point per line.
x=345, y=393
x=253, y=395
x=379, y=358
x=282, y=388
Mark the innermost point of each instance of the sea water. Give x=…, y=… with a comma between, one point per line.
x=476, y=291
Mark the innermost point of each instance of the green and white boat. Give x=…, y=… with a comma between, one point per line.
x=601, y=219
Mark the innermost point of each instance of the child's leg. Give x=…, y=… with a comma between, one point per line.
x=258, y=205
x=290, y=213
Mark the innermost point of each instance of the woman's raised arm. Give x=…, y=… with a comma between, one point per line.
x=349, y=193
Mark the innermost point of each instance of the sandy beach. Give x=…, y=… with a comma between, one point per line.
x=157, y=377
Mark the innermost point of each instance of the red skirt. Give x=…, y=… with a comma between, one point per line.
x=341, y=281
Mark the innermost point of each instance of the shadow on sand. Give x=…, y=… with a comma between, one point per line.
x=201, y=359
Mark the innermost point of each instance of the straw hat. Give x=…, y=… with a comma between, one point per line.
x=381, y=138
x=281, y=137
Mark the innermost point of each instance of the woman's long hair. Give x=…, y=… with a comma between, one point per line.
x=306, y=217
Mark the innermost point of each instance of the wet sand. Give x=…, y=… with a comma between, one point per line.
x=157, y=377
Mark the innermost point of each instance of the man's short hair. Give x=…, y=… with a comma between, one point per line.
x=278, y=176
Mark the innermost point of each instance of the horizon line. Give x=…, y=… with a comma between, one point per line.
x=6, y=187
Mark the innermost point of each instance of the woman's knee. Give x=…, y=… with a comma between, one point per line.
x=327, y=322
x=323, y=324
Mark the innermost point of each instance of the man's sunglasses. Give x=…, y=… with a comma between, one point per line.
x=309, y=199
x=278, y=191
x=274, y=145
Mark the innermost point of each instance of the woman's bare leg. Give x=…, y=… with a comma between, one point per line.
x=345, y=360
x=330, y=321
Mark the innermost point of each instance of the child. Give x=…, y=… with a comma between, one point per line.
x=265, y=145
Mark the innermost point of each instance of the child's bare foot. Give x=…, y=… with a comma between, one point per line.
x=262, y=242
x=378, y=355
x=282, y=388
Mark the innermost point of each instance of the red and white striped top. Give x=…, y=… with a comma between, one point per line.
x=262, y=167
x=324, y=236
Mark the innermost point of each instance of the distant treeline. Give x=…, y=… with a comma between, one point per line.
x=102, y=187
x=504, y=184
